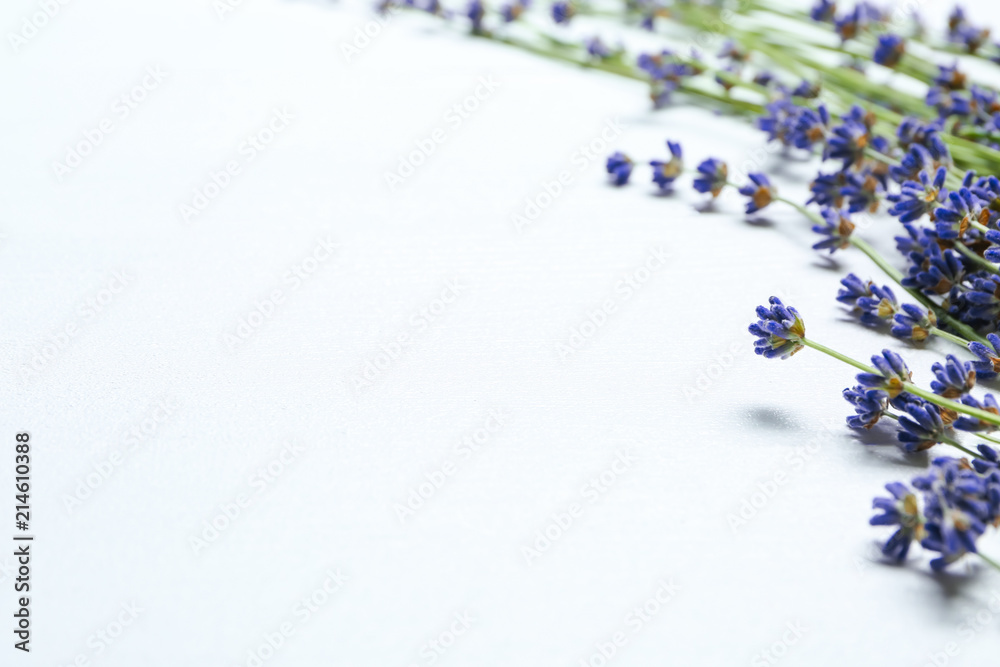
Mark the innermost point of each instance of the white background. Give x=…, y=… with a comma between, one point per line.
x=805, y=557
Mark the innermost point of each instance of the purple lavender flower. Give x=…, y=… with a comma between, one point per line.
x=665, y=74
x=950, y=77
x=959, y=501
x=889, y=50
x=921, y=427
x=933, y=270
x=988, y=365
x=511, y=12
x=848, y=25
x=984, y=297
x=915, y=200
x=620, y=167
x=823, y=11
x=873, y=304
x=956, y=507
x=915, y=131
x=598, y=49
x=836, y=230
x=779, y=120
x=827, y=189
x=810, y=127
x=960, y=31
x=806, y=90
x=712, y=176
x=779, y=330
x=850, y=138
x=948, y=102
x=911, y=322
x=891, y=376
x=917, y=159
x=759, y=190
x=476, y=11
x=960, y=208
x=731, y=51
x=869, y=406
x=974, y=424
x=954, y=378
x=864, y=191
x=665, y=173
x=983, y=102
x=563, y=11
x=763, y=78
x=989, y=462
x=903, y=510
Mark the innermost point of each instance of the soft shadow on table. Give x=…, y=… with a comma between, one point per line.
x=949, y=585
x=772, y=419
x=881, y=444
x=707, y=206
x=761, y=222
x=788, y=167
x=826, y=262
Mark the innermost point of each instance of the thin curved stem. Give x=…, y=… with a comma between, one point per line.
x=982, y=415
x=957, y=340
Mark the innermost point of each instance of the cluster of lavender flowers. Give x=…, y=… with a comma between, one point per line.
x=949, y=508
x=928, y=161
x=949, y=241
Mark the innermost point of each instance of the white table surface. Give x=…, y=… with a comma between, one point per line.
x=685, y=461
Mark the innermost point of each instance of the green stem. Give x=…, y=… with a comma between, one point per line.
x=909, y=387
x=988, y=438
x=812, y=215
x=934, y=331
x=884, y=264
x=954, y=443
x=976, y=259
x=989, y=560
x=837, y=355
